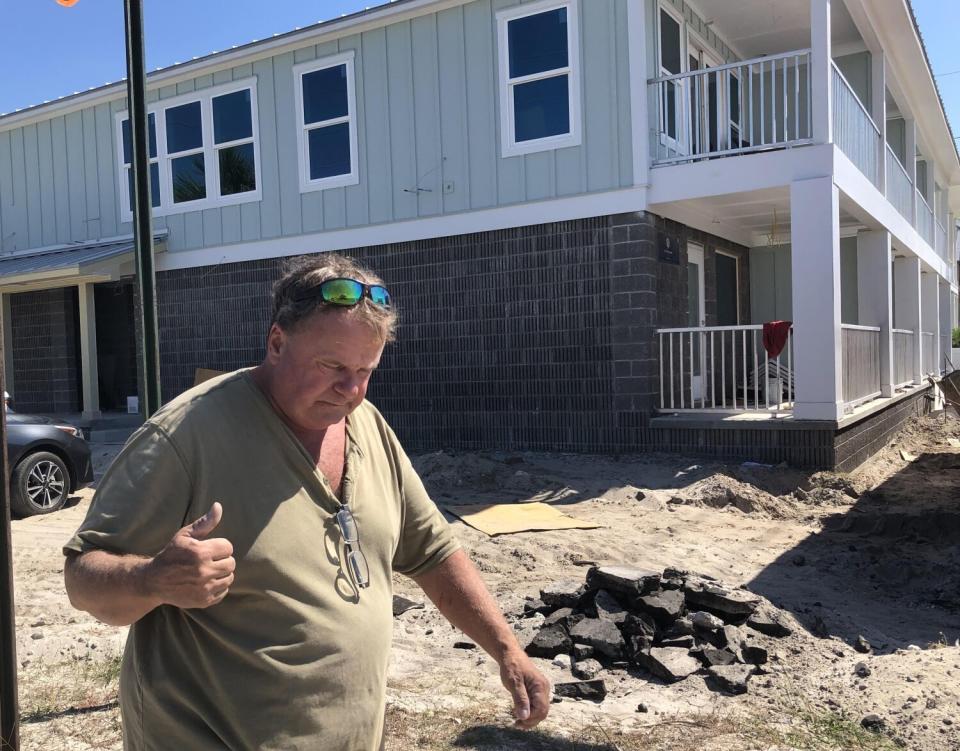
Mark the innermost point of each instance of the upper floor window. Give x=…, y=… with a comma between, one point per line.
x=539, y=77
x=203, y=151
x=327, y=123
x=127, y=148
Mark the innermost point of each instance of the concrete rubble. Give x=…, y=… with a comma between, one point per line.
x=672, y=625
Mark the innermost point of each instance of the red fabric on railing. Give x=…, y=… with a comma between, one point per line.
x=775, y=335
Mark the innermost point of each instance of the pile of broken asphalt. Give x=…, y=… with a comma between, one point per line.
x=671, y=625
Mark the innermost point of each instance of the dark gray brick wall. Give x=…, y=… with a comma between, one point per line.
x=538, y=337
x=46, y=350
x=505, y=337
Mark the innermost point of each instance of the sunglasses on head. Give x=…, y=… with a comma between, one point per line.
x=348, y=292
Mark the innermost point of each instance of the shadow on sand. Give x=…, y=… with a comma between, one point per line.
x=888, y=568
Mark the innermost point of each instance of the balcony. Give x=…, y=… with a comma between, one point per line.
x=766, y=103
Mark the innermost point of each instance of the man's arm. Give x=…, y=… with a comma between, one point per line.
x=459, y=593
x=190, y=572
x=112, y=588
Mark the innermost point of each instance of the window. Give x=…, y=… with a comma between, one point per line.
x=327, y=130
x=728, y=289
x=670, y=64
x=539, y=84
x=127, y=148
x=203, y=150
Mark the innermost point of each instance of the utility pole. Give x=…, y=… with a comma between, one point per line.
x=142, y=219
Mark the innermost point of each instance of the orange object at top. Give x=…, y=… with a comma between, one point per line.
x=67, y=3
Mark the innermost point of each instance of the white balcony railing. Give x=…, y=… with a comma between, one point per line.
x=861, y=364
x=710, y=368
x=854, y=131
x=903, y=342
x=737, y=108
x=940, y=233
x=924, y=219
x=899, y=187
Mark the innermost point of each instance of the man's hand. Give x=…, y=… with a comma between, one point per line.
x=529, y=688
x=192, y=571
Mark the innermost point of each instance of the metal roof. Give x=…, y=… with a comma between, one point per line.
x=64, y=257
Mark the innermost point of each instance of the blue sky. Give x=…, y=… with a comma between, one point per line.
x=57, y=51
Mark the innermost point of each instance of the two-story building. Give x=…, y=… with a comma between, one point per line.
x=586, y=210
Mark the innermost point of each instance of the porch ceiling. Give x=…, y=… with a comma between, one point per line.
x=756, y=215
x=765, y=27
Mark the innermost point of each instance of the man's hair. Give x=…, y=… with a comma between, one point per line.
x=292, y=303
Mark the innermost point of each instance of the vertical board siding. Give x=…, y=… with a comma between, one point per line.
x=355, y=197
x=375, y=131
x=426, y=115
x=427, y=111
x=452, y=103
x=93, y=222
x=403, y=143
x=482, y=120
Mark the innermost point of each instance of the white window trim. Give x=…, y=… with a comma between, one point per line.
x=736, y=259
x=508, y=143
x=679, y=143
x=335, y=181
x=210, y=159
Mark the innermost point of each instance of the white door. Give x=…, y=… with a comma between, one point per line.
x=705, y=129
x=696, y=314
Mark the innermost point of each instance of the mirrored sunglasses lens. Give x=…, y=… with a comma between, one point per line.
x=348, y=527
x=380, y=296
x=358, y=565
x=341, y=291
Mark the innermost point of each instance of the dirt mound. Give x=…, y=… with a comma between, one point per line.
x=723, y=491
x=443, y=472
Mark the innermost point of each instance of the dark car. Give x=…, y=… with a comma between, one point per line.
x=48, y=461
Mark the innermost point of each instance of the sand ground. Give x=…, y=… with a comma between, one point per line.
x=874, y=553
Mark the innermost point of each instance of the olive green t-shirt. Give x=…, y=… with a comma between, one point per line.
x=295, y=657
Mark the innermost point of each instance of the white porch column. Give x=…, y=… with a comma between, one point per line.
x=88, y=351
x=7, y=345
x=930, y=317
x=910, y=154
x=878, y=100
x=815, y=269
x=821, y=103
x=906, y=305
x=875, y=296
x=945, y=329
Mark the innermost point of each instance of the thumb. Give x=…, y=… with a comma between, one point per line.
x=521, y=702
x=206, y=523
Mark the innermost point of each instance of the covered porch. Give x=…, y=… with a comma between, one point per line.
x=870, y=320
x=69, y=322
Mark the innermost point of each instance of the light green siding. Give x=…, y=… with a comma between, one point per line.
x=427, y=110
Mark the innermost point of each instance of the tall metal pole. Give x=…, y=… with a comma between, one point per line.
x=142, y=220
x=9, y=704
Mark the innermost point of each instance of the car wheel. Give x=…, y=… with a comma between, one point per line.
x=40, y=484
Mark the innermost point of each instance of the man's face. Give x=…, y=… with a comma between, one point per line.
x=321, y=368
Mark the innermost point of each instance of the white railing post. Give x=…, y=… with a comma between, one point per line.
x=945, y=334
x=820, y=57
x=878, y=95
x=910, y=156
x=906, y=290
x=815, y=227
x=875, y=296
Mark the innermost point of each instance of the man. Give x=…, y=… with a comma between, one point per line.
x=249, y=531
